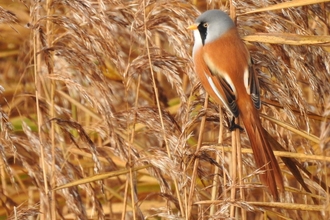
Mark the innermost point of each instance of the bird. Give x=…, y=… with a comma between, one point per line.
x=224, y=67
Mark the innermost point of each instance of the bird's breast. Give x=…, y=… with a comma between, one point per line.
x=228, y=57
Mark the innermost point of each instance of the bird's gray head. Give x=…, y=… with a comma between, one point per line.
x=211, y=25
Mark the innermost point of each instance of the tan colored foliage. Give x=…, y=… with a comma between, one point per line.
x=102, y=116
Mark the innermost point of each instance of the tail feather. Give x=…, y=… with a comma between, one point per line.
x=262, y=151
x=263, y=144
x=275, y=167
x=294, y=166
x=290, y=163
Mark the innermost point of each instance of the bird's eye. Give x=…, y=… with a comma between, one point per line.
x=205, y=25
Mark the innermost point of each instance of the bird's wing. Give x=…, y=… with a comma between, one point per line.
x=253, y=86
x=214, y=82
x=223, y=90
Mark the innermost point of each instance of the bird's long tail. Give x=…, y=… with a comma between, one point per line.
x=262, y=150
x=263, y=144
x=294, y=166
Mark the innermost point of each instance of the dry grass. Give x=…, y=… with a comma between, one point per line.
x=102, y=116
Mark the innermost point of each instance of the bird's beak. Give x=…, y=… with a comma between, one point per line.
x=193, y=27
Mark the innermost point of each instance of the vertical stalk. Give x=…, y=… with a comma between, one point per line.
x=49, y=34
x=233, y=171
x=196, y=162
x=216, y=182
x=37, y=71
x=240, y=171
x=159, y=107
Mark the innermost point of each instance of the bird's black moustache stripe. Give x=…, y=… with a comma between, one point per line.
x=203, y=32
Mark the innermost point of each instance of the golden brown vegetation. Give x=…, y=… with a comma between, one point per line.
x=102, y=116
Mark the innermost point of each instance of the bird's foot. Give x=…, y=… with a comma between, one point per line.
x=233, y=126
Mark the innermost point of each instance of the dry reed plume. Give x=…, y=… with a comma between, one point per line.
x=102, y=116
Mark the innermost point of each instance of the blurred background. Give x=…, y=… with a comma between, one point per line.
x=102, y=116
